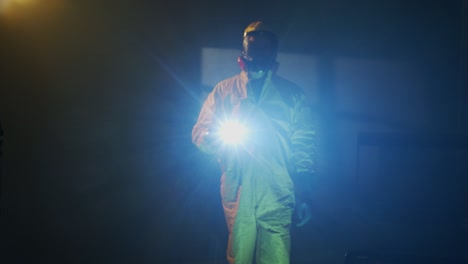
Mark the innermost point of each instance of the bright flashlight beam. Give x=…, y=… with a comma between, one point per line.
x=232, y=132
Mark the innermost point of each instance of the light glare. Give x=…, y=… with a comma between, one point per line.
x=232, y=132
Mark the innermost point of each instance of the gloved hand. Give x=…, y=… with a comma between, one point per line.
x=303, y=213
x=210, y=144
x=209, y=138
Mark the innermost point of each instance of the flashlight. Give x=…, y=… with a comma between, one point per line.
x=232, y=132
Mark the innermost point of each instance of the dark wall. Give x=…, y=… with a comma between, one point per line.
x=97, y=101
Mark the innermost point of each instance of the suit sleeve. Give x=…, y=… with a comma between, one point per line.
x=303, y=141
x=206, y=120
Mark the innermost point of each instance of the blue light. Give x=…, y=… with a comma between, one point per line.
x=232, y=132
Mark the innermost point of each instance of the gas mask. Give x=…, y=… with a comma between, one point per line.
x=259, y=50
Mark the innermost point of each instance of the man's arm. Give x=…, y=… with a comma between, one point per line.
x=303, y=140
x=201, y=136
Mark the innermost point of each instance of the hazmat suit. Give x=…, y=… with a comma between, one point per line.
x=260, y=175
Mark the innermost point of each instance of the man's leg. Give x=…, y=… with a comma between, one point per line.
x=273, y=233
x=240, y=219
x=273, y=246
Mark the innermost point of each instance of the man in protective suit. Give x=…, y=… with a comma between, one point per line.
x=263, y=177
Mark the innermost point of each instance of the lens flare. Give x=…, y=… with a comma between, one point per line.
x=232, y=132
